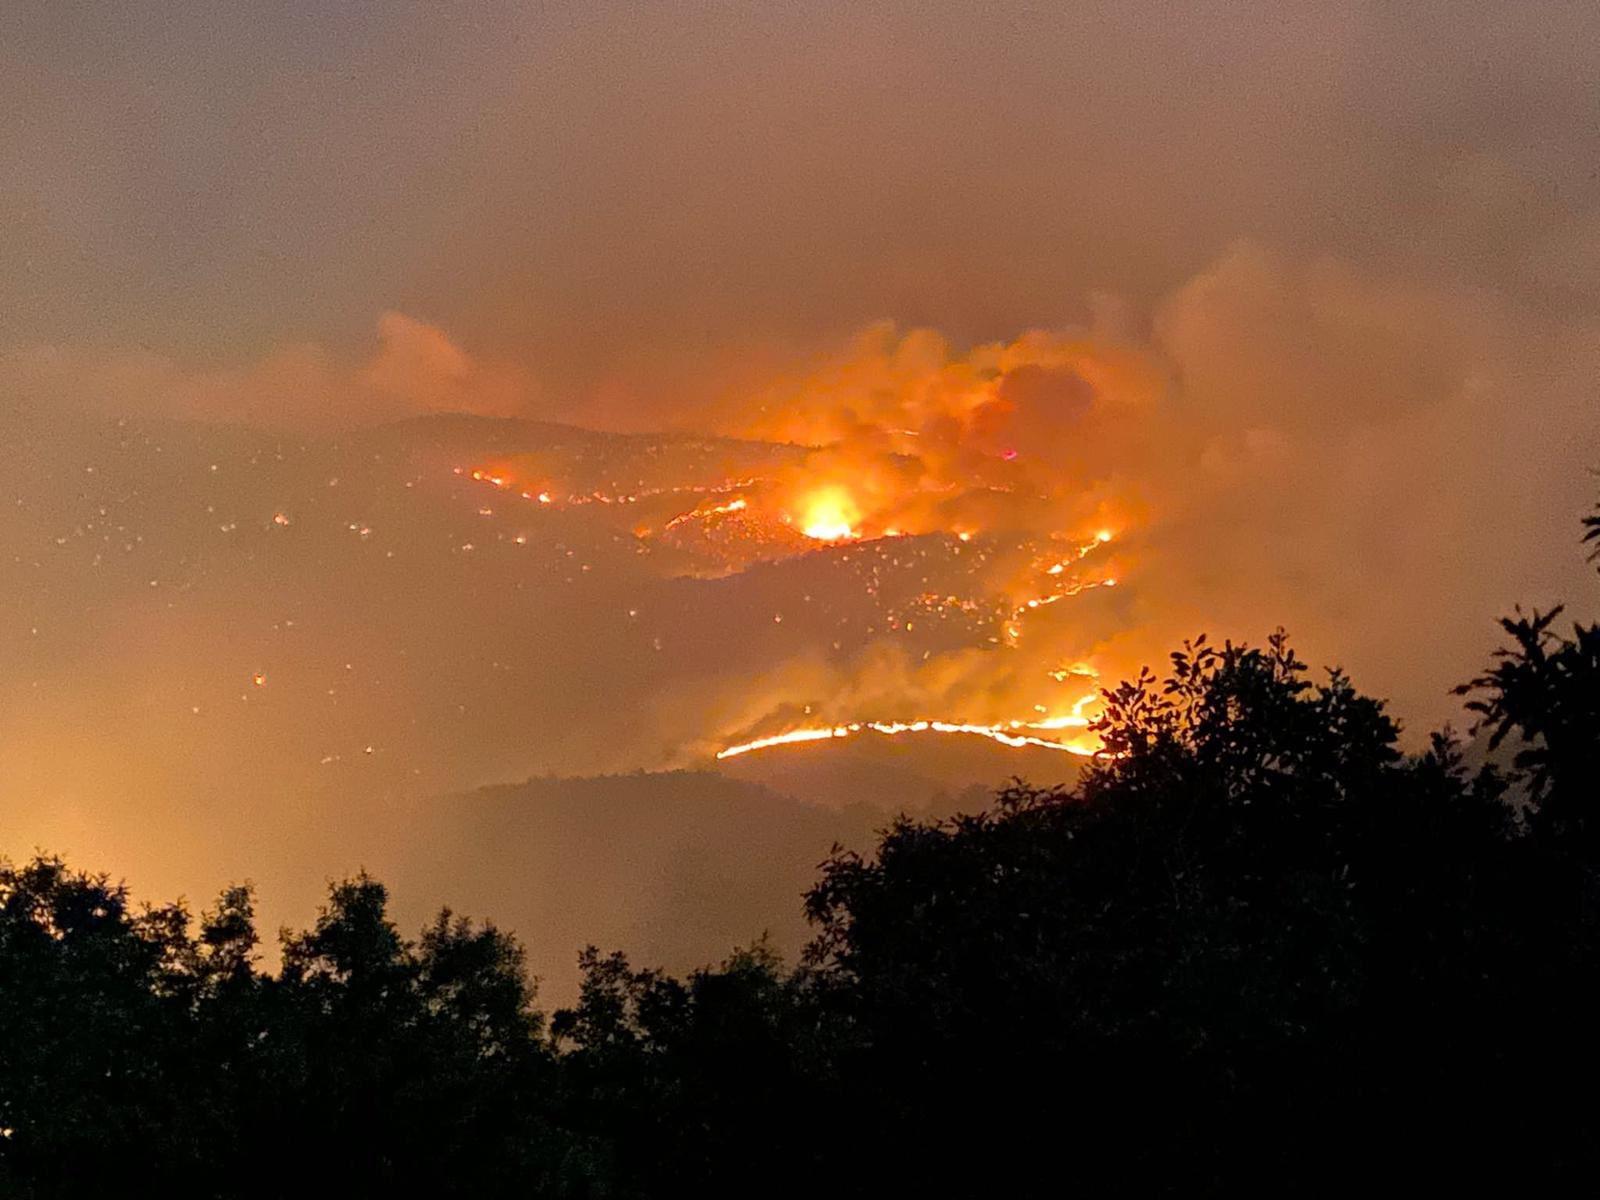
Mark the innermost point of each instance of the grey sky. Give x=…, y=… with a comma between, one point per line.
x=598, y=190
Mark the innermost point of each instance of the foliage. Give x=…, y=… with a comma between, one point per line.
x=139, y=1056
x=1545, y=689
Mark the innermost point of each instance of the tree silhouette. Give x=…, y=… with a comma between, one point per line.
x=1239, y=926
x=1545, y=689
x=95, y=1004
x=707, y=1082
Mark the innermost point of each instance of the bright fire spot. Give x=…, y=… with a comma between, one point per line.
x=829, y=515
x=1007, y=733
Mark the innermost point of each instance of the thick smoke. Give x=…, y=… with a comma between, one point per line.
x=1309, y=445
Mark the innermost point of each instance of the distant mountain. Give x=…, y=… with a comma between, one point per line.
x=676, y=868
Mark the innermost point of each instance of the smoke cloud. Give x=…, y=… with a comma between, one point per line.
x=1310, y=444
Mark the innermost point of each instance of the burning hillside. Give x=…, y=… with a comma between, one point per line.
x=956, y=505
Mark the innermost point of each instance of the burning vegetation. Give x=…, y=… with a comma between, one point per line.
x=959, y=495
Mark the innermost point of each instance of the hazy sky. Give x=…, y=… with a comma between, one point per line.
x=628, y=213
x=624, y=192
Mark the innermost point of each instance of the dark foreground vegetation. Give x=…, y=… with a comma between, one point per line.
x=1258, y=947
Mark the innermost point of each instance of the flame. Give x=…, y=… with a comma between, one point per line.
x=830, y=514
x=710, y=508
x=548, y=495
x=1085, y=745
x=1013, y=547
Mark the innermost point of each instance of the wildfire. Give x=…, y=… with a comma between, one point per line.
x=1007, y=733
x=546, y=495
x=830, y=514
x=707, y=510
x=957, y=548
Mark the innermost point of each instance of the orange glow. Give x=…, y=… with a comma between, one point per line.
x=1008, y=733
x=829, y=514
x=1024, y=546
x=710, y=508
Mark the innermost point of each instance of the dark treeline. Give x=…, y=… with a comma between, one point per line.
x=1256, y=946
